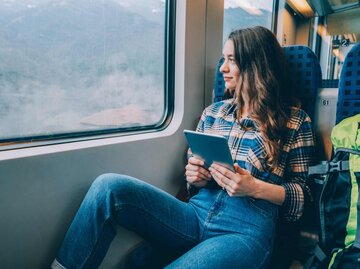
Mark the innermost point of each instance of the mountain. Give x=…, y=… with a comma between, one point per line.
x=239, y=18
x=62, y=60
x=81, y=36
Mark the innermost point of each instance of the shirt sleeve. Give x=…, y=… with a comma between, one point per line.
x=300, y=157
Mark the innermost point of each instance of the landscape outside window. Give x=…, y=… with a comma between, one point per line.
x=80, y=65
x=246, y=13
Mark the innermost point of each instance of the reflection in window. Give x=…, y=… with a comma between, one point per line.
x=78, y=65
x=343, y=33
x=341, y=45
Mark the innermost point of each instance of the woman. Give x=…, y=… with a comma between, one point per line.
x=231, y=221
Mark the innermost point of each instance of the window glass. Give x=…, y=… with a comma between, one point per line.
x=70, y=66
x=246, y=13
x=342, y=33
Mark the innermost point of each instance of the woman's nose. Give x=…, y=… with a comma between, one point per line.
x=224, y=68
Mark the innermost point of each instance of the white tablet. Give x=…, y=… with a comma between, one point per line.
x=210, y=148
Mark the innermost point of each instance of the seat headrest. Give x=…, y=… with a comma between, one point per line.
x=349, y=85
x=305, y=73
x=304, y=70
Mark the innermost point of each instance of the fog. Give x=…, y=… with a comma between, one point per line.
x=66, y=67
x=42, y=109
x=72, y=66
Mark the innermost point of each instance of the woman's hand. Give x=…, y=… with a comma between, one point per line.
x=195, y=173
x=241, y=183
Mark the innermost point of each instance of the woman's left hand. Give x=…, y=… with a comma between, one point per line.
x=241, y=183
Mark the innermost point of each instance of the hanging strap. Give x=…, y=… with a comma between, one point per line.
x=318, y=254
x=328, y=167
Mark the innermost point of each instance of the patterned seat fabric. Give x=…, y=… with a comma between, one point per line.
x=349, y=86
x=330, y=83
x=219, y=83
x=305, y=72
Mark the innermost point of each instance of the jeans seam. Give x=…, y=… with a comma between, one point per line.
x=217, y=202
x=182, y=236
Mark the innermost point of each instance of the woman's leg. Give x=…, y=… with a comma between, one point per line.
x=225, y=251
x=117, y=199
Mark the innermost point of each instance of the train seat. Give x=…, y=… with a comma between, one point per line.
x=349, y=86
x=305, y=73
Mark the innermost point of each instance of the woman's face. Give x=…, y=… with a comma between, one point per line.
x=229, y=68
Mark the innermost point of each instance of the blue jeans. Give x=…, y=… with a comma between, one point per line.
x=212, y=230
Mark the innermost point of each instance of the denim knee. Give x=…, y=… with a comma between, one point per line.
x=110, y=184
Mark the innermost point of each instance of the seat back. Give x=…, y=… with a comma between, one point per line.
x=304, y=70
x=349, y=86
x=219, y=83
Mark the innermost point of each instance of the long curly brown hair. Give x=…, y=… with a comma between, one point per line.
x=264, y=82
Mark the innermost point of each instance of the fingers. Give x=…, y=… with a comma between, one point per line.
x=198, y=183
x=197, y=165
x=222, y=177
x=196, y=161
x=195, y=168
x=197, y=174
x=223, y=170
x=240, y=170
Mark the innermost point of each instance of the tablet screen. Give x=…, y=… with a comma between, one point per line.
x=210, y=148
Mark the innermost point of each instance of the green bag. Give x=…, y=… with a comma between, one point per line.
x=338, y=202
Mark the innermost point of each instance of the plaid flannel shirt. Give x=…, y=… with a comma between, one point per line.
x=247, y=148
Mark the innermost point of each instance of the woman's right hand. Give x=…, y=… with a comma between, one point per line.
x=195, y=173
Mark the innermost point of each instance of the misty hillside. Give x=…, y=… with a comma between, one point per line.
x=67, y=64
x=239, y=18
x=63, y=60
x=92, y=38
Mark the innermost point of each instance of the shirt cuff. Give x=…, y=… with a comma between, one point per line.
x=293, y=205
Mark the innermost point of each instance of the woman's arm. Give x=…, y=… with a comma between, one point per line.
x=242, y=183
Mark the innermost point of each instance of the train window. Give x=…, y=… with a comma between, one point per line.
x=76, y=67
x=329, y=27
x=342, y=33
x=250, y=12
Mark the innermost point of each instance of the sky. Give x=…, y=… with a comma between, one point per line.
x=252, y=6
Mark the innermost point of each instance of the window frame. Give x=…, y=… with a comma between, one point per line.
x=169, y=96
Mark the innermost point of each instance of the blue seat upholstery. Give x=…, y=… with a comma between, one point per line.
x=330, y=83
x=305, y=72
x=219, y=83
x=349, y=86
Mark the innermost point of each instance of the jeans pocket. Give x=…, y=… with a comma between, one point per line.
x=263, y=207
